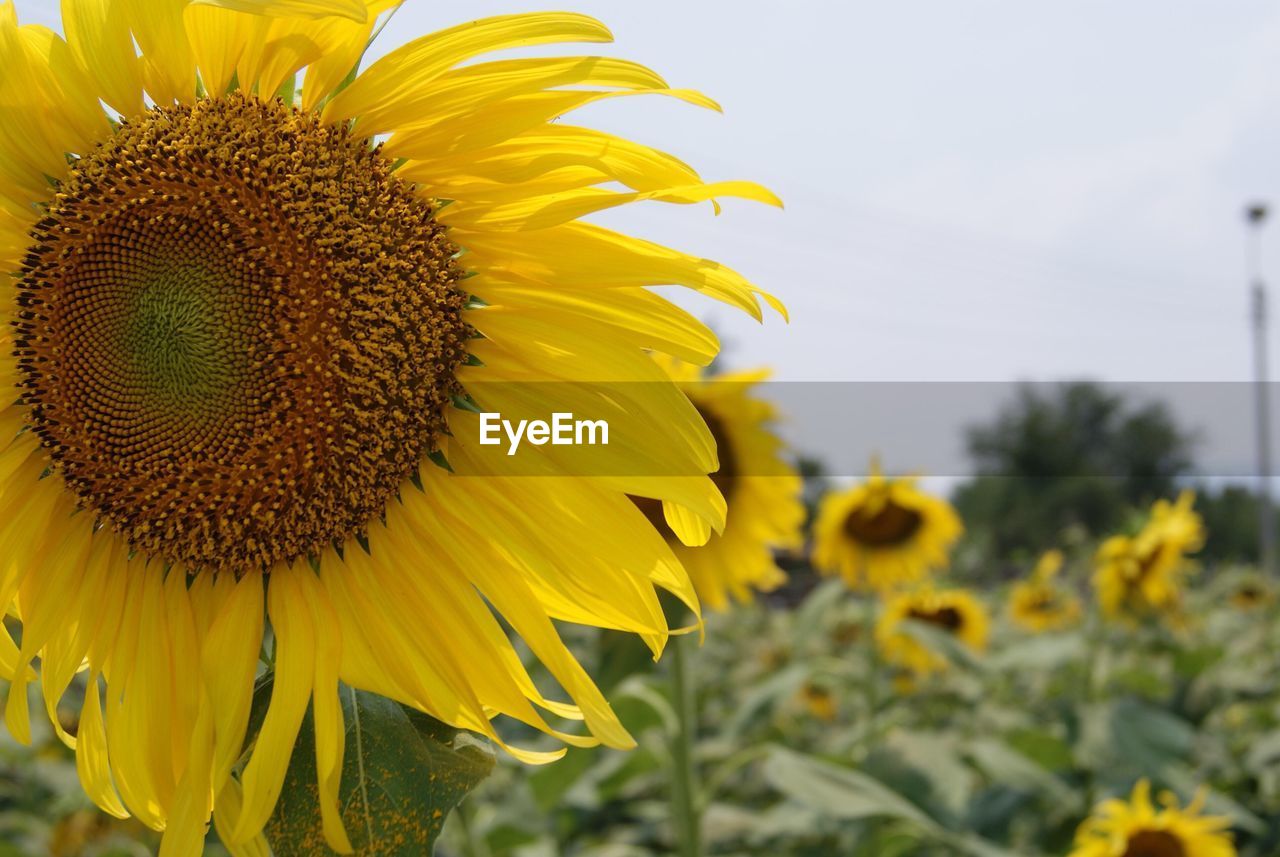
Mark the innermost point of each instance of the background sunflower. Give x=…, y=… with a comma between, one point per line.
x=1136, y=827
x=952, y=613
x=1041, y=603
x=883, y=533
x=760, y=487
x=1144, y=574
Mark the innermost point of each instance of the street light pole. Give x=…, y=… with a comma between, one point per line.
x=1256, y=215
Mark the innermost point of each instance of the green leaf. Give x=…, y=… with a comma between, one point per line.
x=1149, y=737
x=759, y=698
x=842, y=792
x=838, y=791
x=1044, y=748
x=1008, y=767
x=1042, y=653
x=402, y=774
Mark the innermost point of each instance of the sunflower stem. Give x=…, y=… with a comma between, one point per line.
x=684, y=799
x=871, y=682
x=1095, y=652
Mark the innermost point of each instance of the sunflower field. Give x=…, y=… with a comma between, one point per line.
x=1042, y=717
x=364, y=490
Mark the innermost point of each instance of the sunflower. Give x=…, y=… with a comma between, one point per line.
x=819, y=701
x=253, y=288
x=955, y=612
x=883, y=533
x=1252, y=592
x=1145, y=574
x=1135, y=828
x=1038, y=603
x=761, y=488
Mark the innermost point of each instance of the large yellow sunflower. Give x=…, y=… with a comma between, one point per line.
x=761, y=488
x=1136, y=828
x=1145, y=574
x=1040, y=603
x=883, y=533
x=244, y=335
x=956, y=612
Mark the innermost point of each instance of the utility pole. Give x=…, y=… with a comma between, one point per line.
x=1256, y=216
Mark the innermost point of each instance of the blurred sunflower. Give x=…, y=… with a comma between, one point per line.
x=1252, y=592
x=244, y=331
x=956, y=612
x=1145, y=574
x=819, y=701
x=883, y=533
x=1038, y=603
x=1135, y=828
x=761, y=488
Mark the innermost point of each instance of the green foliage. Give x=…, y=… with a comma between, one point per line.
x=1232, y=517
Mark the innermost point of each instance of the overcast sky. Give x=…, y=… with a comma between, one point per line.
x=975, y=190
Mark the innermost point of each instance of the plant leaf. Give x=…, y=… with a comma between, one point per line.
x=402, y=774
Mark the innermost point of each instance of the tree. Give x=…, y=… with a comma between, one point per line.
x=1067, y=458
x=1231, y=517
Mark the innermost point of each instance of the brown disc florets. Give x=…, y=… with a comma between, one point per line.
x=946, y=617
x=889, y=525
x=238, y=332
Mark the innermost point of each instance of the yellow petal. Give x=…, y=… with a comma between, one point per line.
x=354, y=10
x=691, y=528
x=471, y=88
x=226, y=815
x=327, y=711
x=488, y=126
x=376, y=95
x=345, y=42
x=91, y=754
x=549, y=159
x=189, y=819
x=230, y=660
x=168, y=68
x=218, y=39
x=586, y=256
x=556, y=209
x=98, y=33
x=294, y=679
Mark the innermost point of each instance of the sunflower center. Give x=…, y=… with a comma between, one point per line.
x=1249, y=593
x=948, y=618
x=1154, y=843
x=237, y=332
x=725, y=478
x=1045, y=602
x=890, y=525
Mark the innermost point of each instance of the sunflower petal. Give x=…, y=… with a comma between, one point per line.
x=91, y=754
x=378, y=94
x=294, y=679
x=354, y=10
x=98, y=33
